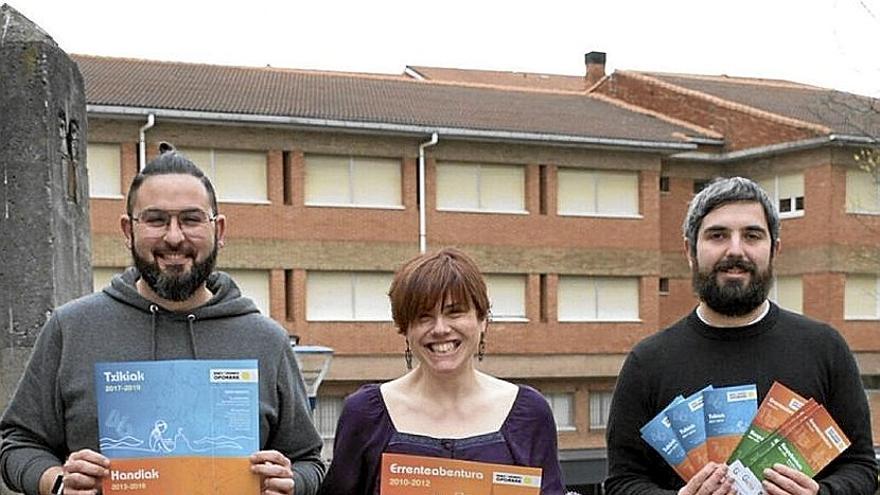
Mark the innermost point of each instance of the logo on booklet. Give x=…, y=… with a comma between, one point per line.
x=515, y=479
x=220, y=375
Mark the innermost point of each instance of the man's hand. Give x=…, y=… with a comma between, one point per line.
x=783, y=480
x=711, y=480
x=83, y=471
x=275, y=470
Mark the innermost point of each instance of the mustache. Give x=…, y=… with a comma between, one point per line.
x=735, y=263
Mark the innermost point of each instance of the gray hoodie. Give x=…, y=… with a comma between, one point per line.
x=53, y=411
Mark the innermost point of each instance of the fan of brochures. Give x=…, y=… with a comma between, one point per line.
x=726, y=425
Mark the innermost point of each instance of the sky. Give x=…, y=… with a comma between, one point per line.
x=828, y=43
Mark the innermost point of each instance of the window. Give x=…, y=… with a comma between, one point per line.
x=600, y=409
x=507, y=296
x=664, y=184
x=597, y=193
x=347, y=296
x=663, y=285
x=598, y=298
x=255, y=285
x=105, y=166
x=101, y=277
x=787, y=193
x=238, y=176
x=862, y=192
x=788, y=292
x=477, y=187
x=352, y=181
x=860, y=297
x=327, y=412
x=562, y=405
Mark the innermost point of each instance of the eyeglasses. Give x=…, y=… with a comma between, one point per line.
x=192, y=221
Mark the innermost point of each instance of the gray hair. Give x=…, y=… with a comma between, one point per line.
x=725, y=190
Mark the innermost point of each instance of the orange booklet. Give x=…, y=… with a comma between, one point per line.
x=808, y=441
x=416, y=475
x=778, y=405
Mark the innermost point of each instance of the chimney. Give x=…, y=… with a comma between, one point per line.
x=595, y=67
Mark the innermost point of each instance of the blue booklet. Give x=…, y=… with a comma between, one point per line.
x=728, y=412
x=687, y=421
x=658, y=433
x=179, y=427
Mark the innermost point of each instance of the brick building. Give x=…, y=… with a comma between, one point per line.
x=568, y=191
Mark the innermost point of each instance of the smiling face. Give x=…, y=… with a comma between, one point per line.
x=733, y=268
x=446, y=338
x=175, y=259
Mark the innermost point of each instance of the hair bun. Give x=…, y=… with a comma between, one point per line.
x=165, y=147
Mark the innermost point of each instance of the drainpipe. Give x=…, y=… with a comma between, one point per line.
x=142, y=143
x=423, y=236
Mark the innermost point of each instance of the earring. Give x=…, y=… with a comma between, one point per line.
x=481, y=350
x=407, y=356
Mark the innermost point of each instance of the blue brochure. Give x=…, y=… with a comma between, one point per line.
x=728, y=412
x=179, y=427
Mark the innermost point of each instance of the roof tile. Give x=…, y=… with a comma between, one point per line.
x=361, y=98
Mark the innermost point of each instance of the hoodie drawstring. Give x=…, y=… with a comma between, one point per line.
x=153, y=310
x=190, y=318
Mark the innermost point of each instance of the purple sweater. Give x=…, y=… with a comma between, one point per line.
x=526, y=438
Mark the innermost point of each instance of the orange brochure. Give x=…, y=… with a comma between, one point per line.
x=778, y=405
x=416, y=475
x=807, y=442
x=779, y=434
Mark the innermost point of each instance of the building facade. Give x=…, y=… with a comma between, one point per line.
x=569, y=193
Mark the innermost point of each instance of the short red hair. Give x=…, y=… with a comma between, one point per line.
x=429, y=279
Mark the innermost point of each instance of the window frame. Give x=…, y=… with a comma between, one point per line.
x=551, y=398
x=876, y=315
x=211, y=173
x=775, y=199
x=597, y=280
x=478, y=185
x=774, y=291
x=595, y=174
x=604, y=397
x=352, y=294
x=103, y=275
x=328, y=440
x=523, y=302
x=352, y=166
x=851, y=209
x=238, y=274
x=118, y=148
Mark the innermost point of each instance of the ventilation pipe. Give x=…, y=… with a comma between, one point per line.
x=142, y=143
x=423, y=236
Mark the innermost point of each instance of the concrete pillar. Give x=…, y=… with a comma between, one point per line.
x=45, y=251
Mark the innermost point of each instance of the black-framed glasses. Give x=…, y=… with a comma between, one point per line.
x=192, y=221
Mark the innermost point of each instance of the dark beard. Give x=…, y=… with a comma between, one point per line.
x=175, y=287
x=733, y=298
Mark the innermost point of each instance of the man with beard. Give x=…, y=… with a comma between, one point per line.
x=170, y=305
x=735, y=336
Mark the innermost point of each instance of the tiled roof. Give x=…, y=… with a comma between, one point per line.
x=841, y=113
x=361, y=98
x=527, y=80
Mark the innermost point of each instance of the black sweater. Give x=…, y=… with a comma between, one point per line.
x=808, y=357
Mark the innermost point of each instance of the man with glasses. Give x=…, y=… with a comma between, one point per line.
x=170, y=305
